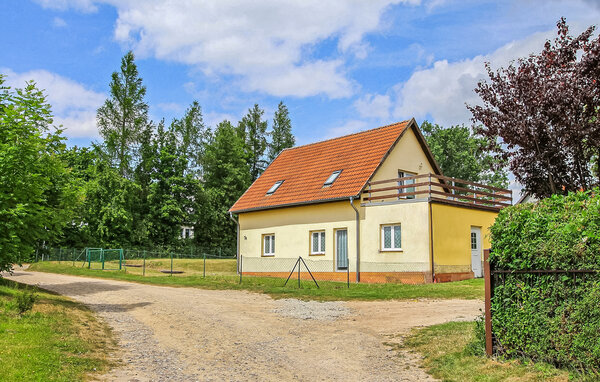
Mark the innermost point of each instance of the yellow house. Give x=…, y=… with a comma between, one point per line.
x=370, y=207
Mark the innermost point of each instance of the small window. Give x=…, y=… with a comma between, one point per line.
x=317, y=243
x=403, y=174
x=332, y=178
x=473, y=240
x=269, y=245
x=391, y=237
x=187, y=233
x=274, y=187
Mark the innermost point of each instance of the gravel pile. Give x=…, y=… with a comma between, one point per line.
x=311, y=310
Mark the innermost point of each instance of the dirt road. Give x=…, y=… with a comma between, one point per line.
x=188, y=334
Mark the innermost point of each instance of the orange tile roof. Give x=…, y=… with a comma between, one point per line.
x=305, y=169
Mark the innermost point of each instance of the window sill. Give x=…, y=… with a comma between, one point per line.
x=316, y=254
x=268, y=255
x=399, y=250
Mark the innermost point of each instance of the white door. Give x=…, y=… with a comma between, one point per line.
x=476, y=252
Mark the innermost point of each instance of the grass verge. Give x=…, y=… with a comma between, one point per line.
x=58, y=340
x=328, y=291
x=450, y=355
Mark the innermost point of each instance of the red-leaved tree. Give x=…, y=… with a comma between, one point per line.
x=542, y=113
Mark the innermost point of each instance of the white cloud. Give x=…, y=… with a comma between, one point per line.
x=267, y=44
x=442, y=90
x=59, y=23
x=374, y=106
x=349, y=127
x=74, y=106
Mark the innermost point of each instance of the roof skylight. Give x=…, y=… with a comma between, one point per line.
x=332, y=178
x=274, y=187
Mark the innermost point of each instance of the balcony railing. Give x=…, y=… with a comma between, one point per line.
x=437, y=188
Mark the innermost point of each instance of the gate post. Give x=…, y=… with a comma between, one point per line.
x=488, y=303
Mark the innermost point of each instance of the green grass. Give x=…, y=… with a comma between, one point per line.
x=469, y=289
x=449, y=356
x=191, y=267
x=58, y=340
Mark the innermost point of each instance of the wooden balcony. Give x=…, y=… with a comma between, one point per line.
x=437, y=188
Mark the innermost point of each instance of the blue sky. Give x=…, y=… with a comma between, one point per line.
x=340, y=66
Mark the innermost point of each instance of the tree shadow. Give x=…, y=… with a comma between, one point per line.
x=117, y=307
x=83, y=288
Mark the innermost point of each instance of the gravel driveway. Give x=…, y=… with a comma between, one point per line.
x=189, y=334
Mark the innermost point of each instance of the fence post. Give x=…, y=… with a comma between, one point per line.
x=59, y=255
x=299, y=258
x=120, y=258
x=241, y=268
x=204, y=266
x=144, y=266
x=171, y=274
x=488, y=302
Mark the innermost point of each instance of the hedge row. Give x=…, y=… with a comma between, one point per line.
x=549, y=317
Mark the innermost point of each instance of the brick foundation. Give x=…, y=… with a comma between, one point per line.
x=457, y=276
x=365, y=277
x=371, y=277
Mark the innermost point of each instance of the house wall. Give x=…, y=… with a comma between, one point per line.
x=292, y=227
x=451, y=238
x=407, y=155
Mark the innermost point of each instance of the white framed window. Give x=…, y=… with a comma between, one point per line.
x=317, y=243
x=269, y=245
x=473, y=240
x=391, y=237
x=403, y=174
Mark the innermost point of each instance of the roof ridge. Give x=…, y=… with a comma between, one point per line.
x=344, y=136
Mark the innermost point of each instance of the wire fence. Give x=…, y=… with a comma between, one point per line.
x=224, y=263
x=191, y=262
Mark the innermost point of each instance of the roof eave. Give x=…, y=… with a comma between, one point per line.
x=296, y=204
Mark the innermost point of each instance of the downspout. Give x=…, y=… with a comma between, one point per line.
x=431, y=241
x=237, y=249
x=357, y=240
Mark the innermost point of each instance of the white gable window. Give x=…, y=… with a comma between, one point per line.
x=317, y=240
x=403, y=174
x=269, y=245
x=391, y=237
x=274, y=187
x=334, y=175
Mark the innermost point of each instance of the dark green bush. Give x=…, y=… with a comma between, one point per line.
x=552, y=317
x=25, y=300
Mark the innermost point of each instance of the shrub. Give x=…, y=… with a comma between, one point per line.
x=553, y=317
x=25, y=300
x=476, y=346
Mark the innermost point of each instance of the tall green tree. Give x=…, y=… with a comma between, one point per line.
x=81, y=162
x=281, y=136
x=36, y=197
x=109, y=207
x=226, y=178
x=192, y=135
x=462, y=154
x=173, y=193
x=124, y=115
x=254, y=131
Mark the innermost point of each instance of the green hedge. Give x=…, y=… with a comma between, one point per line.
x=549, y=317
